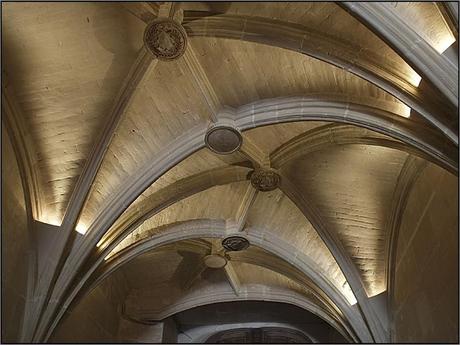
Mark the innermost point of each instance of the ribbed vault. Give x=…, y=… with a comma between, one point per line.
x=113, y=147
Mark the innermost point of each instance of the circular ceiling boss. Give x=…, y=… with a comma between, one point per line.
x=223, y=140
x=235, y=243
x=265, y=180
x=215, y=261
x=165, y=39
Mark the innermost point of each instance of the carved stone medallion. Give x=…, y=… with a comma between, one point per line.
x=235, y=243
x=165, y=39
x=265, y=180
x=223, y=140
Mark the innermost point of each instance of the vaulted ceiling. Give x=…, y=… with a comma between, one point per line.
x=112, y=145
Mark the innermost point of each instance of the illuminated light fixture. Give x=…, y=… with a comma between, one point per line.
x=405, y=111
x=445, y=43
x=441, y=46
x=81, y=228
x=415, y=79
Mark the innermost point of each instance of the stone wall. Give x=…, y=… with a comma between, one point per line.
x=14, y=245
x=425, y=297
x=133, y=332
x=96, y=317
x=93, y=320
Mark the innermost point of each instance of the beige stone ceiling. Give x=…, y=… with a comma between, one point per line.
x=150, y=123
x=249, y=72
x=65, y=64
x=323, y=17
x=427, y=19
x=148, y=295
x=366, y=173
x=271, y=212
x=82, y=79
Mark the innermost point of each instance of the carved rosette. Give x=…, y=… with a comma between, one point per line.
x=235, y=243
x=165, y=39
x=265, y=180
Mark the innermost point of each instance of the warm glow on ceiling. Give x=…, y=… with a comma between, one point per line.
x=376, y=290
x=51, y=219
x=349, y=295
x=112, y=253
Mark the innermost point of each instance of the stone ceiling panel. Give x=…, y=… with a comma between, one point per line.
x=426, y=19
x=155, y=267
x=352, y=187
x=275, y=212
x=269, y=138
x=66, y=63
x=243, y=72
x=166, y=105
x=156, y=292
x=201, y=161
x=219, y=202
x=326, y=17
